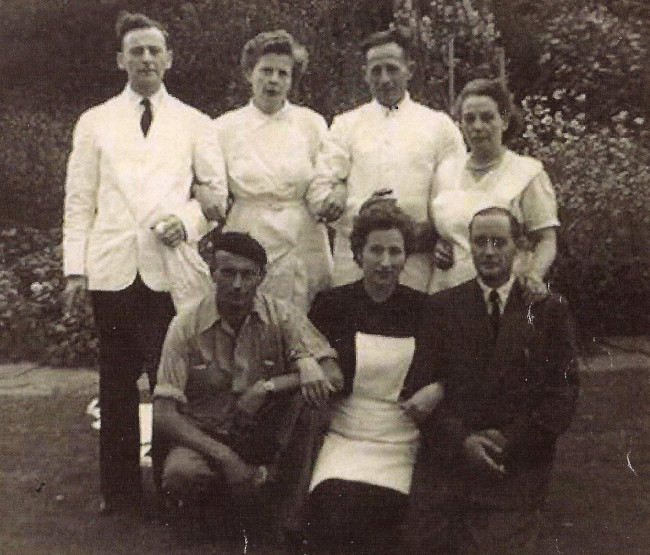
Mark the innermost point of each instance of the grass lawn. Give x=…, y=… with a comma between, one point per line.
x=599, y=500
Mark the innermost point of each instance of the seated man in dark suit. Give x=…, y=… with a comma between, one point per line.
x=511, y=386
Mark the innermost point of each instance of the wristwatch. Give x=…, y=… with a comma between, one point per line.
x=269, y=386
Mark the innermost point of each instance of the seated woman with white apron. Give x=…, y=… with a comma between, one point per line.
x=362, y=476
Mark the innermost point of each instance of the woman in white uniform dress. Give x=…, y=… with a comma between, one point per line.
x=269, y=149
x=490, y=175
x=362, y=475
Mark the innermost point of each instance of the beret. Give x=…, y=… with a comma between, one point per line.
x=240, y=244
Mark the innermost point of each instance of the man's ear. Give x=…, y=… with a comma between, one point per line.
x=411, y=67
x=120, y=60
x=170, y=57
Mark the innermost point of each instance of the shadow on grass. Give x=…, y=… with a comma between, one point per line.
x=599, y=500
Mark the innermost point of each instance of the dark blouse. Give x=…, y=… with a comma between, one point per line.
x=341, y=312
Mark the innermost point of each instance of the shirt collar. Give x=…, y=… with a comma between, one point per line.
x=503, y=291
x=279, y=115
x=135, y=98
x=259, y=310
x=406, y=101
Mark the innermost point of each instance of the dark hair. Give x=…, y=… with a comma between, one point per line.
x=234, y=242
x=493, y=88
x=497, y=90
x=274, y=42
x=387, y=37
x=380, y=213
x=516, y=229
x=127, y=22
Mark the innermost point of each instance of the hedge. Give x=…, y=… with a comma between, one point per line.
x=594, y=142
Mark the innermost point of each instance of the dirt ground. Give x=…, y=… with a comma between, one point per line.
x=599, y=500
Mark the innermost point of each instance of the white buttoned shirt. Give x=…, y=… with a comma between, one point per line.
x=372, y=148
x=119, y=183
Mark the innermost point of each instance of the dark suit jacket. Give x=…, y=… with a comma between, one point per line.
x=525, y=385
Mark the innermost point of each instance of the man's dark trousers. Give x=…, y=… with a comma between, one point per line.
x=131, y=325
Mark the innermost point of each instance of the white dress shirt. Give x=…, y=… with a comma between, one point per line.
x=503, y=291
x=119, y=183
x=270, y=166
x=372, y=148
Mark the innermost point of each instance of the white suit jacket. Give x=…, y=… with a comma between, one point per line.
x=119, y=183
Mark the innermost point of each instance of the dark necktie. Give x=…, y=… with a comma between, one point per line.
x=495, y=313
x=147, y=116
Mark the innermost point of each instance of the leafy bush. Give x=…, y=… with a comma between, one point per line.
x=585, y=121
x=437, y=29
x=601, y=176
x=32, y=323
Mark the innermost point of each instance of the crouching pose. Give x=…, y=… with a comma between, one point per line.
x=226, y=398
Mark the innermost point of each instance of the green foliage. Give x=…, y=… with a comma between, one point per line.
x=601, y=175
x=440, y=29
x=591, y=50
x=32, y=324
x=581, y=75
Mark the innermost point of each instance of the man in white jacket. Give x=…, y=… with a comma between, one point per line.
x=133, y=161
x=391, y=143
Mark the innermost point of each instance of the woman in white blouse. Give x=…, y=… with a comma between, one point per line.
x=269, y=148
x=490, y=175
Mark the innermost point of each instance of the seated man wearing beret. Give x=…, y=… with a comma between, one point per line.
x=231, y=365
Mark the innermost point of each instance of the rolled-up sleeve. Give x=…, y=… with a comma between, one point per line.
x=174, y=363
x=82, y=182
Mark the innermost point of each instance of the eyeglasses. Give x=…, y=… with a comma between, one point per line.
x=483, y=242
x=231, y=274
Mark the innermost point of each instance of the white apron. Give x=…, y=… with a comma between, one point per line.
x=370, y=438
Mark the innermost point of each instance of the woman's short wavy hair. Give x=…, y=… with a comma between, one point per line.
x=497, y=90
x=274, y=42
x=380, y=213
x=493, y=88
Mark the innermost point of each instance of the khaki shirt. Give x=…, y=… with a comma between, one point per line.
x=205, y=365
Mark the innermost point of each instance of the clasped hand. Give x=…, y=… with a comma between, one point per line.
x=484, y=449
x=334, y=204
x=423, y=402
x=170, y=230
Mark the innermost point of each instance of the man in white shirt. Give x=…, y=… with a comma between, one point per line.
x=388, y=143
x=132, y=164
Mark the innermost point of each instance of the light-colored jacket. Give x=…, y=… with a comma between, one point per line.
x=119, y=183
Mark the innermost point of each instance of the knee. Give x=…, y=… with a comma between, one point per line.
x=186, y=474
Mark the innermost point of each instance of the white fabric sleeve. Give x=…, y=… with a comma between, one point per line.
x=82, y=182
x=538, y=203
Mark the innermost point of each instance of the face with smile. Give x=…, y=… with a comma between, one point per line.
x=387, y=73
x=237, y=279
x=145, y=59
x=270, y=80
x=382, y=258
x=493, y=248
x=482, y=124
